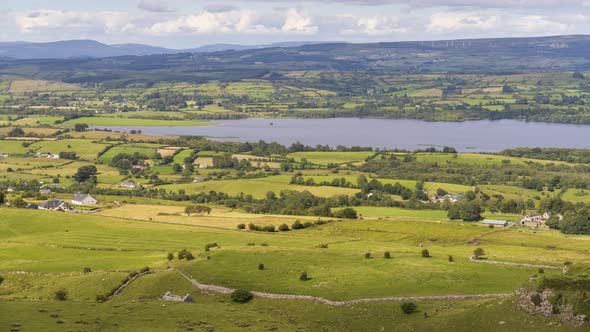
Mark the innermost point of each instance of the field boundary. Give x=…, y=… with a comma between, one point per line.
x=474, y=260
x=225, y=290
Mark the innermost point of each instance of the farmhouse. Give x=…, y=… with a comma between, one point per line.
x=47, y=155
x=199, y=180
x=55, y=205
x=83, y=199
x=128, y=184
x=11, y=189
x=499, y=223
x=175, y=298
x=449, y=197
x=538, y=219
x=45, y=191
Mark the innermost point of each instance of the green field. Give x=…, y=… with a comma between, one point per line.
x=109, y=122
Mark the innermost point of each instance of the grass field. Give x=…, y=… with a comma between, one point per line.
x=324, y=158
x=113, y=122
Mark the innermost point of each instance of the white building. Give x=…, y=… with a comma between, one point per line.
x=83, y=199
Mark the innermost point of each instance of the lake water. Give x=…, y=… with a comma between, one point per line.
x=477, y=136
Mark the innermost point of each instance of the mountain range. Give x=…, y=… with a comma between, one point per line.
x=93, y=49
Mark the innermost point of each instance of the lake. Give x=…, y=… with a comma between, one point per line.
x=476, y=136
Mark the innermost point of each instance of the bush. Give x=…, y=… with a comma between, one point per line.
x=368, y=255
x=144, y=269
x=261, y=266
x=541, y=270
x=189, y=256
x=323, y=246
x=208, y=246
x=87, y=270
x=346, y=213
x=242, y=226
x=409, y=307
x=425, y=253
x=387, y=255
x=451, y=258
x=61, y=295
x=284, y=228
x=1, y=279
x=536, y=299
x=170, y=256
x=101, y=298
x=241, y=296
x=297, y=225
x=304, y=276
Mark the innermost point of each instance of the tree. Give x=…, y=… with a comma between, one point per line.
x=578, y=75
x=478, y=253
x=1, y=280
x=170, y=256
x=507, y=89
x=241, y=226
x=368, y=255
x=18, y=202
x=16, y=132
x=61, y=295
x=261, y=266
x=87, y=270
x=283, y=227
x=408, y=307
x=387, y=255
x=303, y=276
x=425, y=253
x=198, y=209
x=2, y=198
x=85, y=173
x=80, y=127
x=346, y=213
x=451, y=258
x=241, y=296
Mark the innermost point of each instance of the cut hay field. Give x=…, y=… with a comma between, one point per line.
x=324, y=158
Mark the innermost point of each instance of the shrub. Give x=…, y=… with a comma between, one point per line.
x=61, y=295
x=87, y=270
x=409, y=307
x=368, y=255
x=144, y=269
x=170, y=256
x=208, y=246
x=536, y=299
x=346, y=213
x=101, y=298
x=251, y=244
x=541, y=270
x=451, y=258
x=323, y=245
x=387, y=255
x=284, y=228
x=425, y=253
x=182, y=254
x=242, y=226
x=297, y=225
x=269, y=228
x=241, y=296
x=478, y=253
x=261, y=266
x=1, y=279
x=251, y=227
x=303, y=276
x=189, y=256
x=264, y=244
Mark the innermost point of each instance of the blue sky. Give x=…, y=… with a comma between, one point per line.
x=190, y=23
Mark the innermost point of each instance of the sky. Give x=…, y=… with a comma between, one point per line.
x=192, y=23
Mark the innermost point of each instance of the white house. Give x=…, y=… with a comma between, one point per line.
x=4, y=155
x=175, y=298
x=83, y=199
x=45, y=191
x=128, y=184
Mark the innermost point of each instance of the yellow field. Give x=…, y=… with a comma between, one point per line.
x=23, y=86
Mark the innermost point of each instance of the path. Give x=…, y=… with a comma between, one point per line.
x=225, y=290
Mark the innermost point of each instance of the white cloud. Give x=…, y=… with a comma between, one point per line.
x=379, y=25
x=108, y=22
x=448, y=22
x=536, y=24
x=299, y=23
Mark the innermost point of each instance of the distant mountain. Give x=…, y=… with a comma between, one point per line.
x=92, y=49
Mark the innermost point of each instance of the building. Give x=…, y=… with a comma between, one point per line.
x=199, y=180
x=47, y=155
x=175, y=298
x=538, y=219
x=202, y=166
x=84, y=199
x=128, y=184
x=11, y=189
x=55, y=205
x=32, y=206
x=498, y=223
x=4, y=155
x=45, y=191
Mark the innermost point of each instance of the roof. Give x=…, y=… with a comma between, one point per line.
x=53, y=204
x=82, y=197
x=495, y=222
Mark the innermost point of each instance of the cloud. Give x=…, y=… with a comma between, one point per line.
x=106, y=22
x=155, y=6
x=457, y=3
x=299, y=23
x=448, y=22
